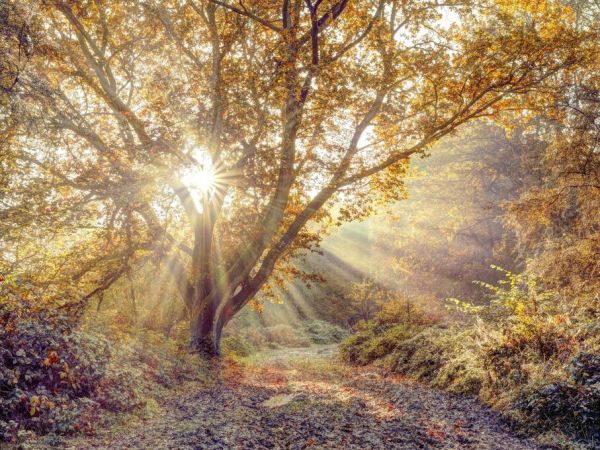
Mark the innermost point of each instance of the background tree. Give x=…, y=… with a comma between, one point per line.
x=367, y=298
x=555, y=221
x=235, y=134
x=451, y=230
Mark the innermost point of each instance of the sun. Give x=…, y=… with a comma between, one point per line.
x=200, y=178
x=206, y=179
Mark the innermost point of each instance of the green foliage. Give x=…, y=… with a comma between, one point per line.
x=286, y=335
x=513, y=296
x=145, y=366
x=351, y=349
x=236, y=346
x=444, y=356
x=375, y=342
x=366, y=298
x=585, y=368
x=396, y=322
x=399, y=309
x=321, y=332
x=57, y=379
x=516, y=295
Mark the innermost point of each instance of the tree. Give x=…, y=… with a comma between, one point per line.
x=234, y=134
x=451, y=230
x=555, y=221
x=367, y=298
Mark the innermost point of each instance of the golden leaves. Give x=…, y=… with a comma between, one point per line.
x=124, y=96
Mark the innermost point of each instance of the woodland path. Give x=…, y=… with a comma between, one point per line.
x=304, y=398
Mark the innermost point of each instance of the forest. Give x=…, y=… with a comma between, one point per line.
x=290, y=224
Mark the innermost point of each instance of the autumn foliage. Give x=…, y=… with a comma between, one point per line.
x=169, y=168
x=221, y=141
x=47, y=369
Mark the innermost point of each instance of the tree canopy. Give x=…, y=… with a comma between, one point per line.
x=222, y=139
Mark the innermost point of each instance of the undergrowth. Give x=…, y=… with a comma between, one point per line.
x=243, y=341
x=58, y=379
x=62, y=375
x=526, y=353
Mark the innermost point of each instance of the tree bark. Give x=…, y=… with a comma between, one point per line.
x=205, y=338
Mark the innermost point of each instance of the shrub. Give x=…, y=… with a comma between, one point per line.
x=526, y=353
x=119, y=390
x=254, y=336
x=402, y=310
x=322, y=332
x=397, y=322
x=573, y=404
x=385, y=342
x=352, y=348
x=234, y=345
x=573, y=408
x=143, y=366
x=422, y=356
x=374, y=343
x=46, y=368
x=447, y=357
x=585, y=368
x=287, y=336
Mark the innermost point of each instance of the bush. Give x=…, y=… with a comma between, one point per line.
x=287, y=336
x=56, y=379
x=321, y=332
x=234, y=345
x=254, y=336
x=422, y=356
x=143, y=367
x=46, y=368
x=402, y=310
x=574, y=408
x=585, y=368
x=119, y=390
x=574, y=404
x=352, y=348
x=376, y=342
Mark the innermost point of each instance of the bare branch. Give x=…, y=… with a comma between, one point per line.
x=244, y=12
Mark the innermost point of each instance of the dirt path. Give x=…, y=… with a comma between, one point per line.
x=295, y=399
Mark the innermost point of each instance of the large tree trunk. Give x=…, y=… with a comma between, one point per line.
x=208, y=321
x=206, y=331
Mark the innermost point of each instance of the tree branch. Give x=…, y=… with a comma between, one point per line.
x=244, y=12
